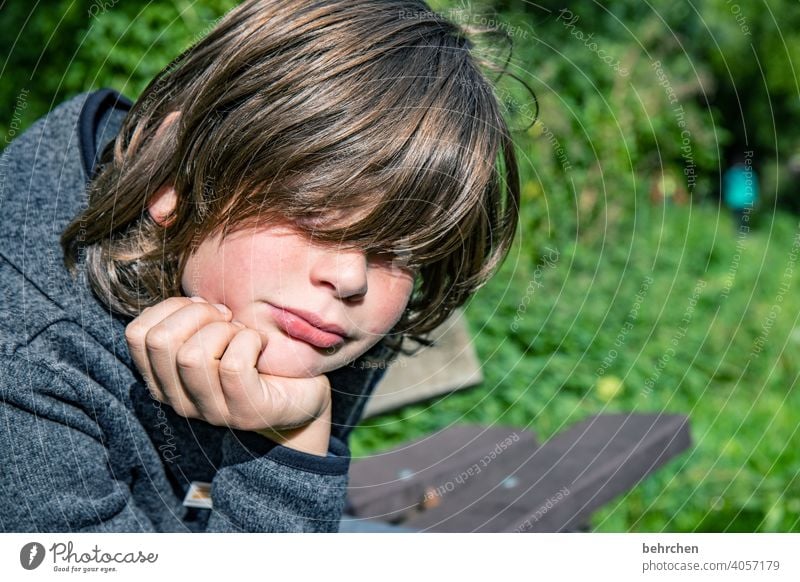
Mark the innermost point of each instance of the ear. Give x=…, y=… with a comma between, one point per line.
x=171, y=117
x=164, y=201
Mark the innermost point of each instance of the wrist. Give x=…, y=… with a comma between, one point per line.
x=312, y=438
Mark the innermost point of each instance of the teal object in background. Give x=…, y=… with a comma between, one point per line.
x=740, y=186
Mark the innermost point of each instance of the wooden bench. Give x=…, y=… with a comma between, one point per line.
x=470, y=478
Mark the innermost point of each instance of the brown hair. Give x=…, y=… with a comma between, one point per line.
x=300, y=110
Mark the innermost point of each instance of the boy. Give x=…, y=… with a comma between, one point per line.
x=287, y=200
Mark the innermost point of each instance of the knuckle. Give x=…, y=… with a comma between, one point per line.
x=184, y=410
x=205, y=308
x=158, y=339
x=219, y=328
x=233, y=366
x=134, y=332
x=176, y=301
x=191, y=356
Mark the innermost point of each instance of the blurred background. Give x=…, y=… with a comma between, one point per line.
x=656, y=264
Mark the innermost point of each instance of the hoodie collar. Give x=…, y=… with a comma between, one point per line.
x=97, y=126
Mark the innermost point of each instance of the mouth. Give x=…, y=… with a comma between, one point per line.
x=299, y=327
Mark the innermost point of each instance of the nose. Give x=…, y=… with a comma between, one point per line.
x=343, y=270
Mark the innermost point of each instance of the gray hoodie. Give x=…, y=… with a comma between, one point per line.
x=83, y=446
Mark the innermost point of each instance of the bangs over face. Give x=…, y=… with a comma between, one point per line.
x=365, y=125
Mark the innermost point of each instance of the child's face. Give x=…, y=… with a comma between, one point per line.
x=259, y=273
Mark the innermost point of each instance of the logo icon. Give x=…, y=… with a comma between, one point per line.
x=31, y=555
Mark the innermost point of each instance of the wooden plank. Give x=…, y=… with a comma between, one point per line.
x=558, y=485
x=391, y=485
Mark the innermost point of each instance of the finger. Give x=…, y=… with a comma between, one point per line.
x=257, y=401
x=197, y=363
x=136, y=332
x=164, y=339
x=241, y=383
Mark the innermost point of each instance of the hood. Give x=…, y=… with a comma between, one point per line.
x=43, y=177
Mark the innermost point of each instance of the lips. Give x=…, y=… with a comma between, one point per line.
x=308, y=328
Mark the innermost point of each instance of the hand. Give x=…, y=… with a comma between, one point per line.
x=195, y=359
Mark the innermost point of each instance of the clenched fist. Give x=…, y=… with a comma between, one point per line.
x=194, y=358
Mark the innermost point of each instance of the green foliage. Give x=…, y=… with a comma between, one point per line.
x=60, y=49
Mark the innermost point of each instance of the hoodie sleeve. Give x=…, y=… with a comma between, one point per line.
x=78, y=477
x=53, y=451
x=267, y=487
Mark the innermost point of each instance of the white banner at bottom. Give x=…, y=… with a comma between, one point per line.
x=410, y=556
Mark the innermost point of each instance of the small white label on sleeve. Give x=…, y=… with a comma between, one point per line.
x=199, y=495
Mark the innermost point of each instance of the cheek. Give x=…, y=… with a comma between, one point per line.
x=194, y=280
x=220, y=277
x=200, y=276
x=394, y=294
